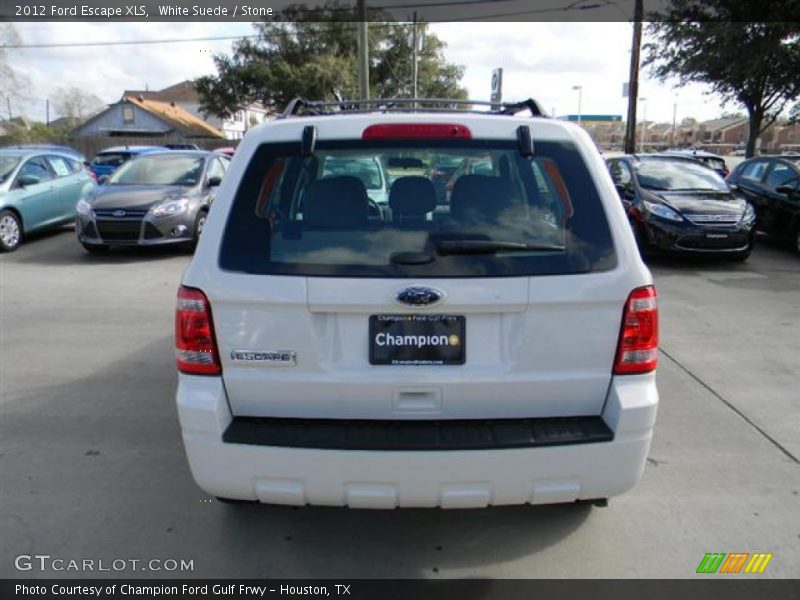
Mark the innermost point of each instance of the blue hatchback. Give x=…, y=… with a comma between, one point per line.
x=107, y=161
x=38, y=189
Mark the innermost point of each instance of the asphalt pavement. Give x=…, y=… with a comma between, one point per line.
x=92, y=466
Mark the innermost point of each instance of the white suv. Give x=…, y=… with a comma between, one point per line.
x=494, y=346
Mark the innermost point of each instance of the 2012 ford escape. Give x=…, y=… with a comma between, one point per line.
x=496, y=345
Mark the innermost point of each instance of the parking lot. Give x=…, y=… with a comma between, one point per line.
x=92, y=463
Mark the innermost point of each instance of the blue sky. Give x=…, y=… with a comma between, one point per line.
x=543, y=60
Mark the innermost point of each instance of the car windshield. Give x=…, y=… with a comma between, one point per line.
x=7, y=166
x=516, y=216
x=159, y=169
x=677, y=176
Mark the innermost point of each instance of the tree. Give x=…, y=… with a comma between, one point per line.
x=312, y=54
x=794, y=114
x=76, y=105
x=13, y=85
x=740, y=49
x=36, y=133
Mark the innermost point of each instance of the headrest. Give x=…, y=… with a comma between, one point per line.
x=479, y=197
x=412, y=195
x=336, y=203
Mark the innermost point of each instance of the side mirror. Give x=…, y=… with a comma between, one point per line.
x=787, y=190
x=214, y=181
x=27, y=180
x=734, y=187
x=102, y=179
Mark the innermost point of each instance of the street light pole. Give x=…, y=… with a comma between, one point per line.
x=363, y=51
x=580, y=93
x=674, y=114
x=414, y=54
x=644, y=122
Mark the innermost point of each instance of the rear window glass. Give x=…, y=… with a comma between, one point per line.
x=500, y=215
x=111, y=159
x=714, y=163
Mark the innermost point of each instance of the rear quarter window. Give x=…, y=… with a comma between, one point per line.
x=507, y=216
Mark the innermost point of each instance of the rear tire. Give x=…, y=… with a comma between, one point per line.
x=95, y=248
x=797, y=240
x=10, y=231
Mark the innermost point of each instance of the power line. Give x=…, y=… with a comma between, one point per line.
x=133, y=42
x=173, y=40
x=574, y=6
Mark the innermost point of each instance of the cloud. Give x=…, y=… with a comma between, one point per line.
x=107, y=71
x=540, y=60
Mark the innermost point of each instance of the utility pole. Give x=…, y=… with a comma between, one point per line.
x=415, y=57
x=674, y=114
x=363, y=51
x=580, y=93
x=47, y=111
x=644, y=123
x=633, y=80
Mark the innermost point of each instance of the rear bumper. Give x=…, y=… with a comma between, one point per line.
x=389, y=479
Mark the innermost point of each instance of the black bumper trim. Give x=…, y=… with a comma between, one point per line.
x=478, y=434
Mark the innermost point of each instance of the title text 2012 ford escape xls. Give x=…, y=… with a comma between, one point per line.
x=492, y=345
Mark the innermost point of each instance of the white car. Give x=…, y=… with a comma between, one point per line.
x=498, y=349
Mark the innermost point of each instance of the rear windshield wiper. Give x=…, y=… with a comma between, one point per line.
x=492, y=247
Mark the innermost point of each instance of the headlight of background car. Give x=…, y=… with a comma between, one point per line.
x=84, y=208
x=749, y=213
x=170, y=208
x=660, y=210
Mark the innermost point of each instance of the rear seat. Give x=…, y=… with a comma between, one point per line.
x=411, y=198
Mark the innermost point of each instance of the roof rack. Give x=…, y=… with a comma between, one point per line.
x=302, y=107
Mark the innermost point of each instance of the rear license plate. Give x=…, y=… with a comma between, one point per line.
x=417, y=339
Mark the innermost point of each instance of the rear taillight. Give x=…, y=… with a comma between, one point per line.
x=195, y=345
x=637, y=350
x=404, y=131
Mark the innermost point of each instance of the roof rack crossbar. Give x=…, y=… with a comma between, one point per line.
x=301, y=106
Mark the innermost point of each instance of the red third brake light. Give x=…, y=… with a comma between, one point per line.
x=637, y=350
x=405, y=131
x=195, y=345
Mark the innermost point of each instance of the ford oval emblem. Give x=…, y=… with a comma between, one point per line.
x=419, y=296
x=119, y=213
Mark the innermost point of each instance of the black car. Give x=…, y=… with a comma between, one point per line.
x=155, y=198
x=772, y=185
x=677, y=205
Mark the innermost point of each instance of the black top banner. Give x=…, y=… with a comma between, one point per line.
x=370, y=10
x=400, y=589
